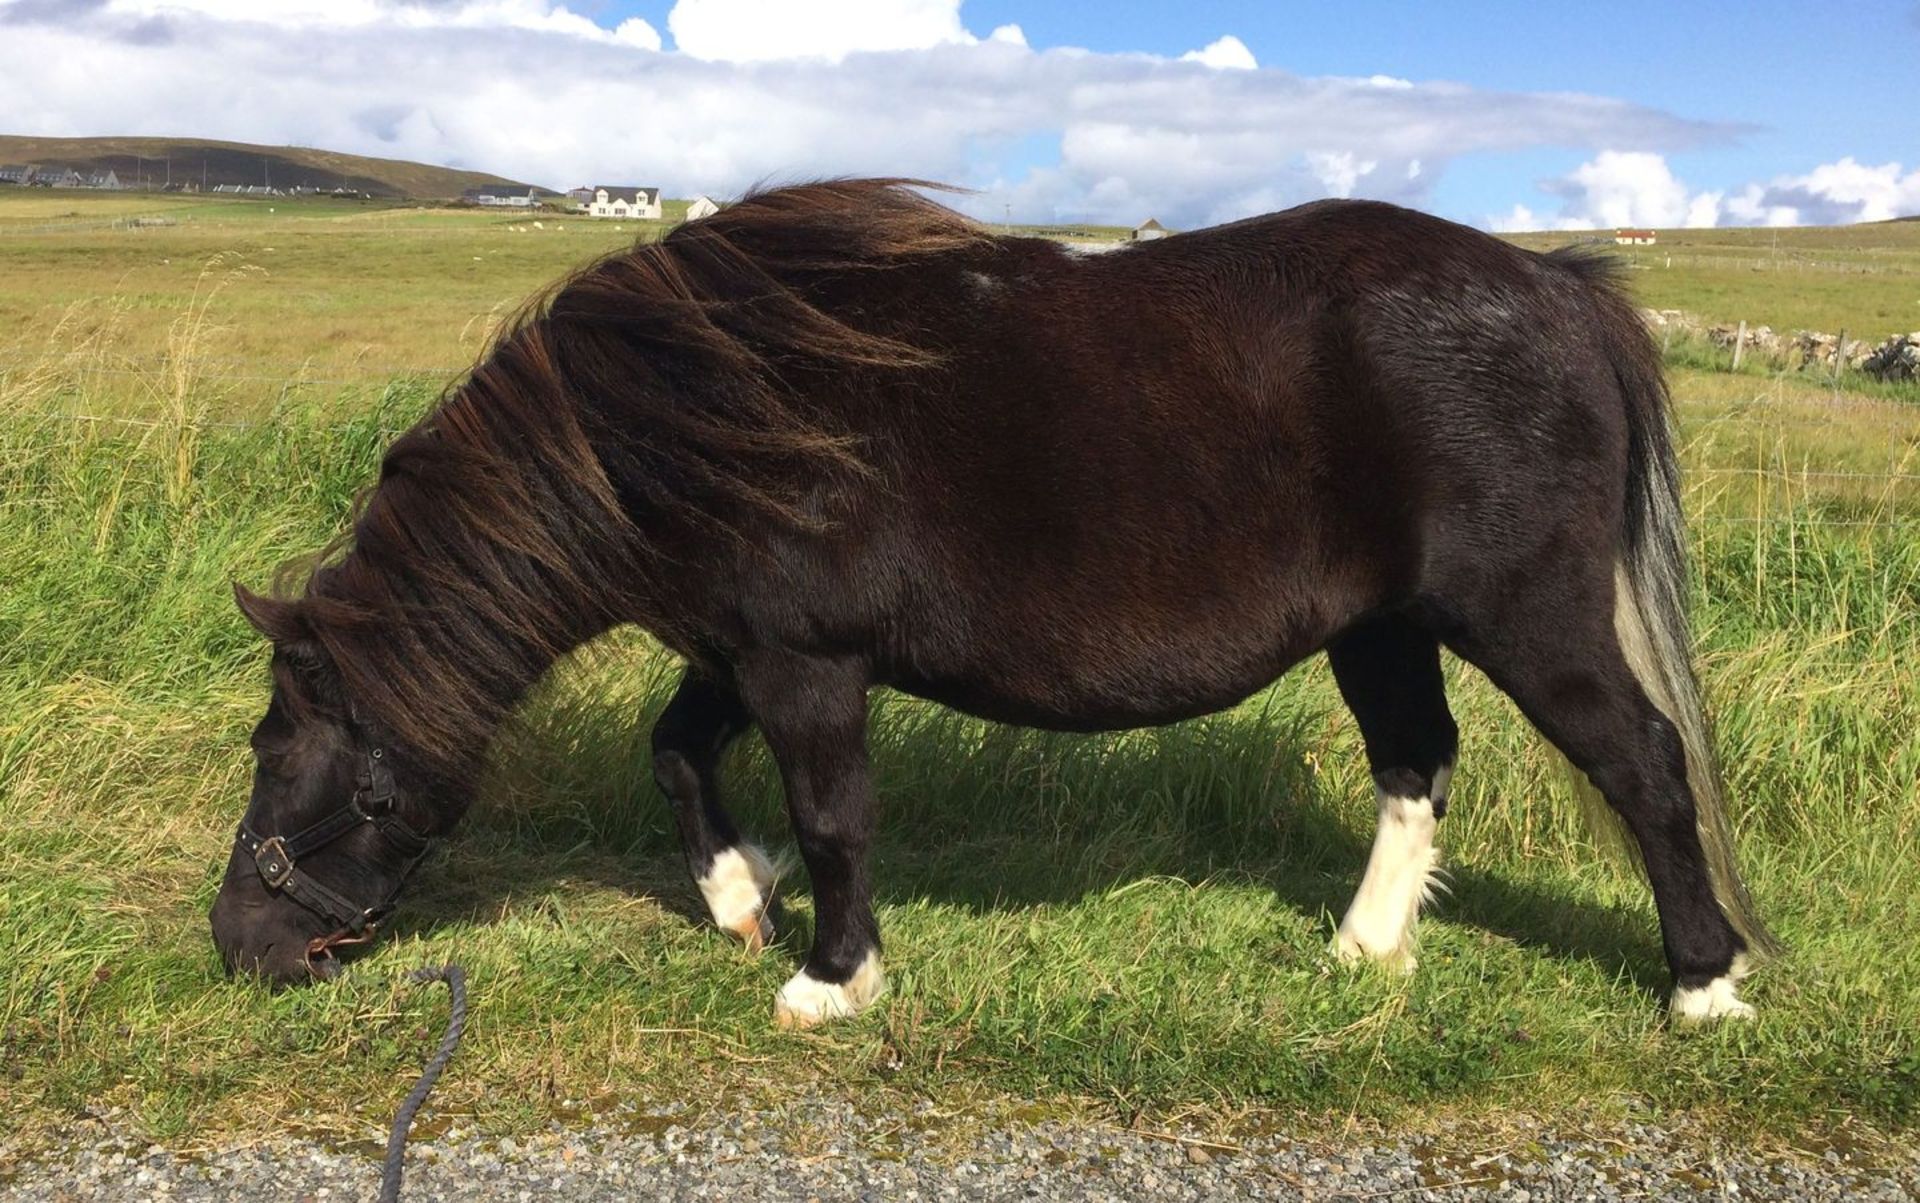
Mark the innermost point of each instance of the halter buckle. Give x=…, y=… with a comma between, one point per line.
x=273, y=862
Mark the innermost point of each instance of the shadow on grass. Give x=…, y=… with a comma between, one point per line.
x=986, y=818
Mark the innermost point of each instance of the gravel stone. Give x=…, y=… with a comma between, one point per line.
x=821, y=1151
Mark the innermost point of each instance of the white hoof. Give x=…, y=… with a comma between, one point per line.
x=1354, y=948
x=738, y=886
x=1718, y=999
x=805, y=1002
x=1402, y=875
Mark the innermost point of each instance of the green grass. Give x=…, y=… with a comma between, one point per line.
x=1864, y=279
x=1128, y=923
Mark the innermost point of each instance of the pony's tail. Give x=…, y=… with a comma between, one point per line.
x=1650, y=600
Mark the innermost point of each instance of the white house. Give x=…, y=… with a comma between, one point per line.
x=702, y=206
x=502, y=196
x=1150, y=229
x=1635, y=237
x=611, y=200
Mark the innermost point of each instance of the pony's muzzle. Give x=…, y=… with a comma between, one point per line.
x=264, y=935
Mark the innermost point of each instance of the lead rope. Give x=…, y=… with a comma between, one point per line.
x=456, y=979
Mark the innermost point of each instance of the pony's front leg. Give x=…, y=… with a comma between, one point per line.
x=735, y=878
x=813, y=712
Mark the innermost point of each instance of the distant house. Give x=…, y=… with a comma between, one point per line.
x=1149, y=230
x=621, y=201
x=16, y=175
x=503, y=196
x=581, y=196
x=105, y=180
x=702, y=206
x=1634, y=237
x=56, y=177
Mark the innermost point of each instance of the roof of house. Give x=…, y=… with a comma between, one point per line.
x=1151, y=223
x=631, y=193
x=502, y=190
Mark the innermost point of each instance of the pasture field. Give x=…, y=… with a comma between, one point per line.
x=1122, y=926
x=1864, y=279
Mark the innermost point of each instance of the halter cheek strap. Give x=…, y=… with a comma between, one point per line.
x=277, y=858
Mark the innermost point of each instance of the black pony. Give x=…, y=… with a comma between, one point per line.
x=837, y=436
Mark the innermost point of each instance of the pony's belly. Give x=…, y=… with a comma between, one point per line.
x=1106, y=694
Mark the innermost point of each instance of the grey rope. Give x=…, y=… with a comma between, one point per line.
x=456, y=980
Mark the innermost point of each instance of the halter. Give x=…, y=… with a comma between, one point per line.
x=276, y=858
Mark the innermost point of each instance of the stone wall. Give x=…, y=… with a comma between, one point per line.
x=1896, y=358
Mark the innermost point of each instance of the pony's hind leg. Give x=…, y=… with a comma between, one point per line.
x=1556, y=652
x=735, y=878
x=1388, y=670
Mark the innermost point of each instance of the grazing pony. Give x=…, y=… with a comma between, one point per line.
x=837, y=437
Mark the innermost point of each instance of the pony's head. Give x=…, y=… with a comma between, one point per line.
x=336, y=822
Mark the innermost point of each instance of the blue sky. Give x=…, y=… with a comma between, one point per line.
x=1810, y=82
x=1519, y=114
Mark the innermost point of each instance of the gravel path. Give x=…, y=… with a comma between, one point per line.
x=818, y=1152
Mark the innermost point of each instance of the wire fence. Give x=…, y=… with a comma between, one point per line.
x=131, y=221
x=1891, y=262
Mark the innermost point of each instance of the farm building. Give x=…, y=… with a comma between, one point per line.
x=503, y=196
x=610, y=200
x=1635, y=237
x=1150, y=229
x=702, y=206
x=61, y=177
x=56, y=177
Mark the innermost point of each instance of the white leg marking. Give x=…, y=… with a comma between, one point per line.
x=1715, y=1000
x=737, y=887
x=804, y=1002
x=1380, y=923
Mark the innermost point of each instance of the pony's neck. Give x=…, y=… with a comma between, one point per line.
x=488, y=551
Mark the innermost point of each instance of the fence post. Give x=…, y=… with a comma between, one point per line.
x=1739, y=345
x=1839, y=359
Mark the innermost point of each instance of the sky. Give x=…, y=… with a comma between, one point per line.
x=1504, y=115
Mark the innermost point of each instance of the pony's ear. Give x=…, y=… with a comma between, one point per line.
x=283, y=622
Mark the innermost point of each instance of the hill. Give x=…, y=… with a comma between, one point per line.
x=197, y=160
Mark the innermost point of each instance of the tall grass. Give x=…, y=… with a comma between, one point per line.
x=1136, y=921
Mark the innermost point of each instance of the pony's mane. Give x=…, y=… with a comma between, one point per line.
x=648, y=391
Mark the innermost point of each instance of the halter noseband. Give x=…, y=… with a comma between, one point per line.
x=277, y=858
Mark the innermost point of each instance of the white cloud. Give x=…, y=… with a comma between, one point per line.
x=1846, y=191
x=757, y=30
x=1226, y=53
x=1640, y=189
x=1624, y=189
x=1517, y=220
x=531, y=89
x=407, y=14
x=1340, y=171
